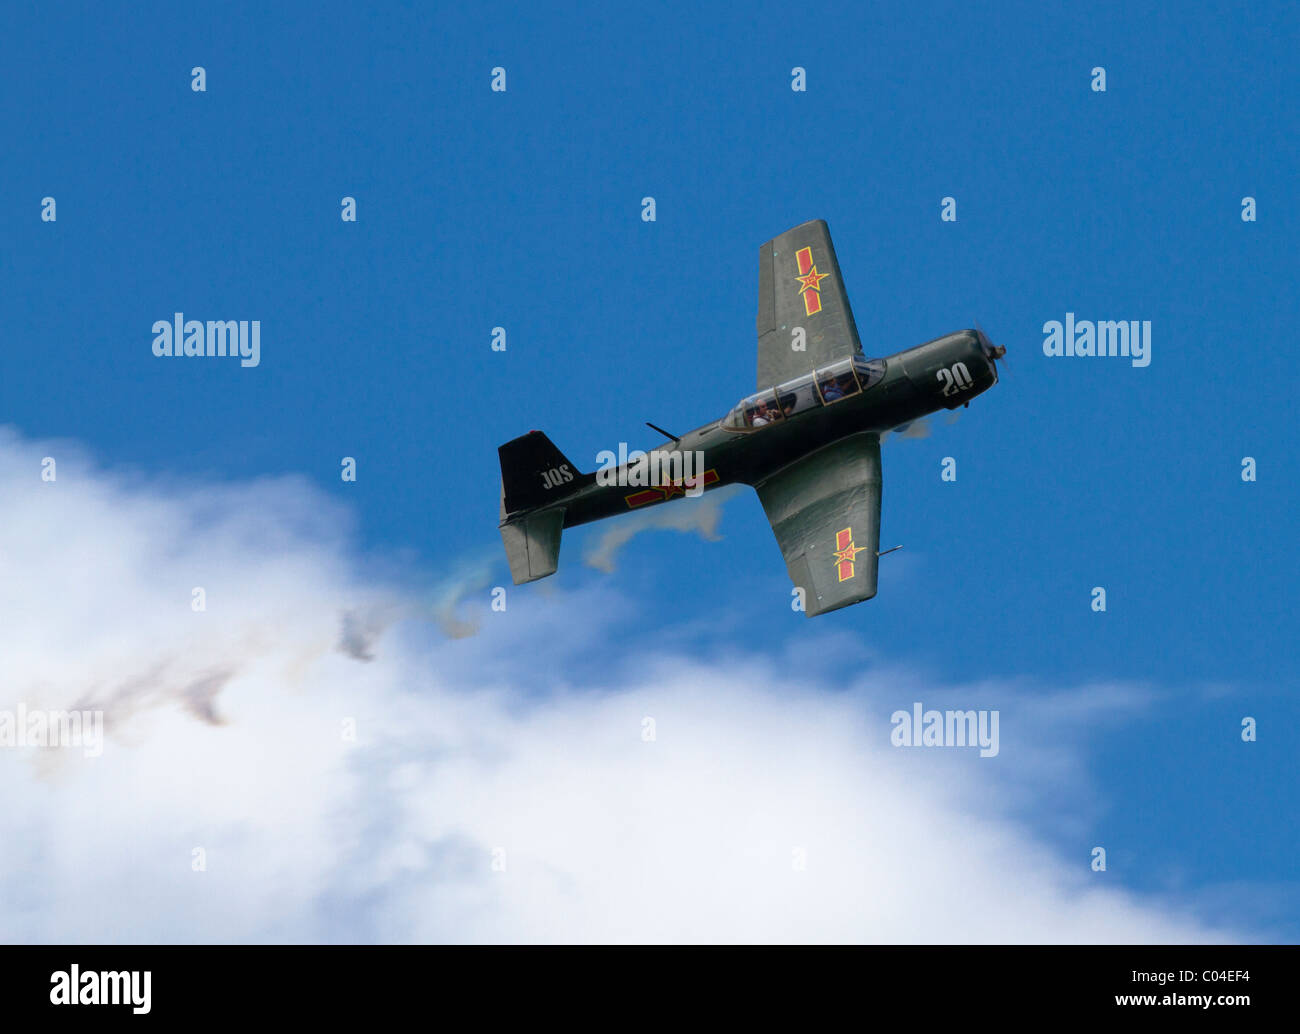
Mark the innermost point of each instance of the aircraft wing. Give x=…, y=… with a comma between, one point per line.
x=825, y=510
x=799, y=285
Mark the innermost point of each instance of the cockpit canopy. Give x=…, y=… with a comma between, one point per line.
x=822, y=387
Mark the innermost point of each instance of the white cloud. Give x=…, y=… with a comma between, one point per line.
x=224, y=732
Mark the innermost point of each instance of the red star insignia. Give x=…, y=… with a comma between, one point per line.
x=811, y=280
x=845, y=556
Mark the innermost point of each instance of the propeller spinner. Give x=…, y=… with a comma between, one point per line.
x=994, y=352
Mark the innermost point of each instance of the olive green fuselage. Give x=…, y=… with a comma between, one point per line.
x=916, y=382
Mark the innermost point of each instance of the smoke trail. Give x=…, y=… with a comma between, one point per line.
x=701, y=515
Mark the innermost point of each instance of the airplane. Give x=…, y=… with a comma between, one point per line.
x=808, y=440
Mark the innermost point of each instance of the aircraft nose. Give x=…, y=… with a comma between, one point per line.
x=991, y=351
x=988, y=347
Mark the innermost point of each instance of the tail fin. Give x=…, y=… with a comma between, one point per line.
x=533, y=473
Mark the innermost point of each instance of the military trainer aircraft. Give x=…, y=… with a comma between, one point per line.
x=808, y=440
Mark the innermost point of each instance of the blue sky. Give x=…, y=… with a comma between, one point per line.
x=478, y=209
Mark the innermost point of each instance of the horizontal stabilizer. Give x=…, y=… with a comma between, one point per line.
x=533, y=545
